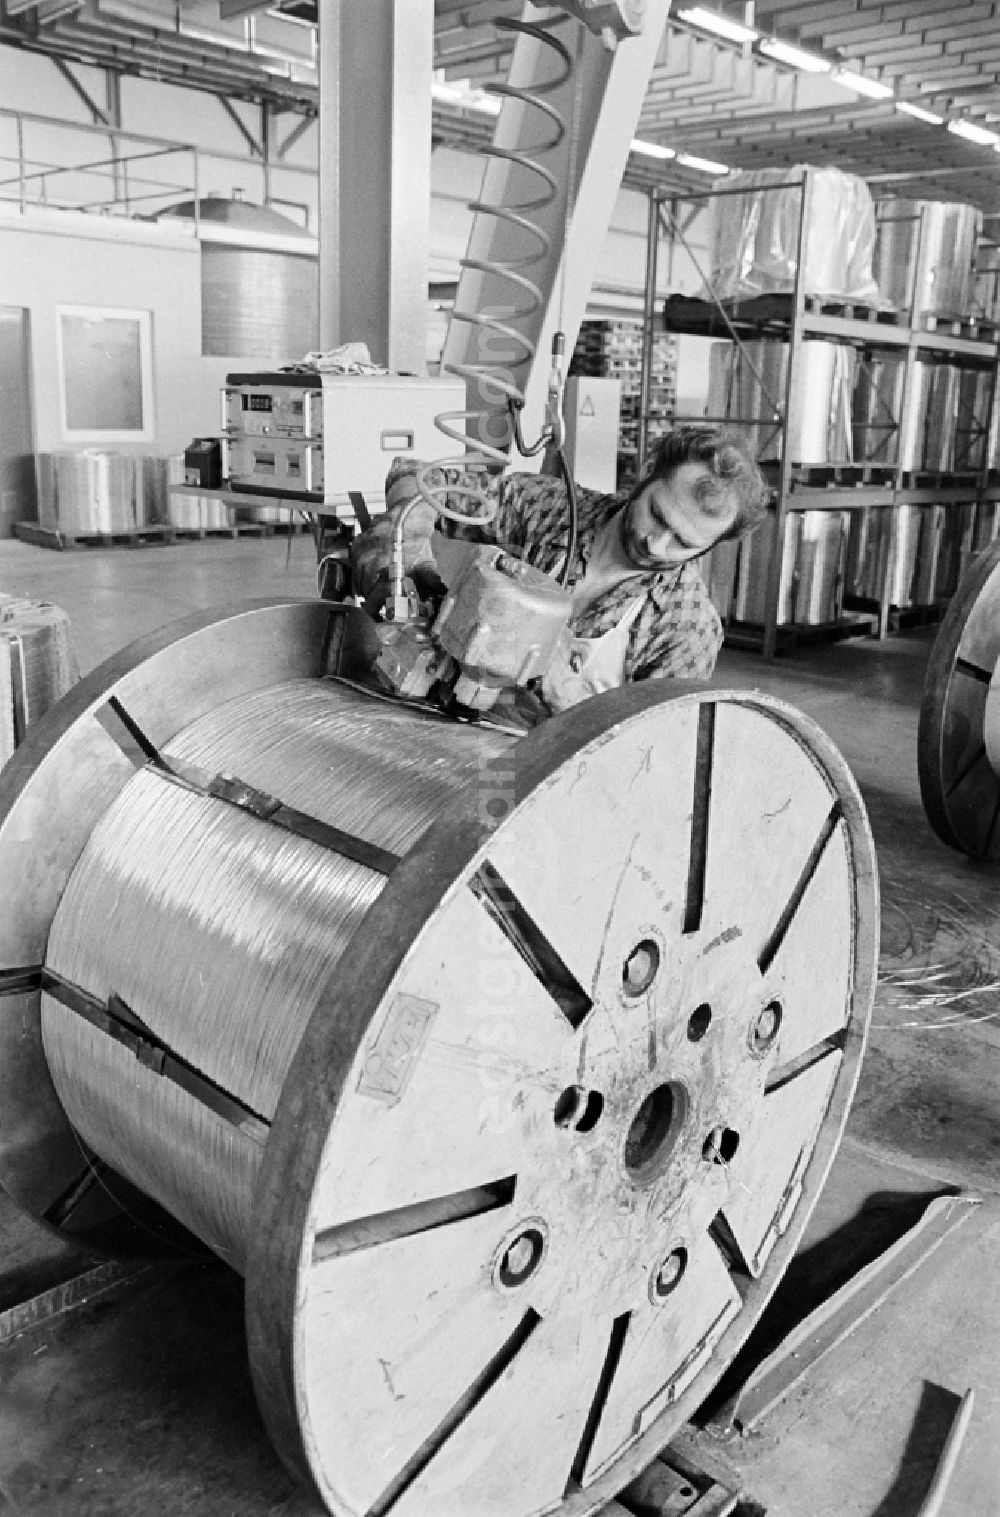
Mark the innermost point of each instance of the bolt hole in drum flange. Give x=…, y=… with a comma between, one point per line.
x=721, y=1145
x=578, y=1109
x=640, y=968
x=699, y=1022
x=669, y=1274
x=413, y=1354
x=519, y=1255
x=764, y=1029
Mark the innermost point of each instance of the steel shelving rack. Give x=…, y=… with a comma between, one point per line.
x=794, y=318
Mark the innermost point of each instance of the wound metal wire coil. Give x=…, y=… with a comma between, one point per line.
x=507, y=1073
x=220, y=931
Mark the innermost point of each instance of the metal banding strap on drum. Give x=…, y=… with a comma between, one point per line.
x=220, y=930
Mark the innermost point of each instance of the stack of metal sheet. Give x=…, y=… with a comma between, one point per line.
x=924, y=255
x=928, y=431
x=973, y=420
x=956, y=549
x=97, y=492
x=911, y=555
x=36, y=665
x=875, y=409
x=194, y=512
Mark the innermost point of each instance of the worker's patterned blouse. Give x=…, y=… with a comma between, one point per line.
x=677, y=634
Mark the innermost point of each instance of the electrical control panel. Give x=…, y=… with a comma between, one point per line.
x=320, y=437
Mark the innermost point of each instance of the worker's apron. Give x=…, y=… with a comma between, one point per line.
x=586, y=666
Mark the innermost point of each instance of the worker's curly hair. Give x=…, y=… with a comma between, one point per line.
x=730, y=463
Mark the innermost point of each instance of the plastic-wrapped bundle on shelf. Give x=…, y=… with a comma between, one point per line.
x=867, y=547
x=955, y=551
x=818, y=429
x=756, y=552
x=942, y=236
x=895, y=551
x=972, y=423
x=37, y=666
x=913, y=431
x=193, y=512
x=734, y=395
x=942, y=413
x=756, y=235
x=987, y=525
x=986, y=285
x=903, y=549
x=819, y=416
x=875, y=407
x=718, y=570
x=928, y=555
x=812, y=569
x=819, y=596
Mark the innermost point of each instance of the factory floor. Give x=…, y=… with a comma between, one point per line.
x=142, y=1402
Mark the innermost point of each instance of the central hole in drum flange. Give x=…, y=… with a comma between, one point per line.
x=654, y=1131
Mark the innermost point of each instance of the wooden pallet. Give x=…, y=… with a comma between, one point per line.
x=852, y=310
x=975, y=328
x=844, y=476
x=932, y=479
x=145, y=537
x=686, y=313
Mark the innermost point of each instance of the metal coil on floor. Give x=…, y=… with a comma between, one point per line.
x=507, y=1071
x=219, y=931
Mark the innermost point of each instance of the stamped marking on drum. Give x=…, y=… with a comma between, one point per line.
x=393, y=1055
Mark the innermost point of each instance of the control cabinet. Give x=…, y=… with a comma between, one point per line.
x=320, y=437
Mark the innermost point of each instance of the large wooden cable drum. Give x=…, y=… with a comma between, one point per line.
x=507, y=1070
x=959, y=778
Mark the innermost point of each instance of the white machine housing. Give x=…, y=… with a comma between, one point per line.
x=320, y=437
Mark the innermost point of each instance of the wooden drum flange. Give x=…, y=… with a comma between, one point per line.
x=555, y=1124
x=959, y=780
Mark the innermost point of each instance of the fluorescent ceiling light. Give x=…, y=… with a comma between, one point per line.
x=919, y=112
x=711, y=21
x=973, y=133
x=706, y=165
x=652, y=149
x=470, y=99
x=874, y=88
x=214, y=39
x=784, y=52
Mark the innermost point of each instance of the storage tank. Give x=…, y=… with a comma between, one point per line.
x=259, y=294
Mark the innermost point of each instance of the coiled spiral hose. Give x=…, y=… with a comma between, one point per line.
x=514, y=270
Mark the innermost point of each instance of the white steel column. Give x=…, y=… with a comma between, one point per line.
x=375, y=71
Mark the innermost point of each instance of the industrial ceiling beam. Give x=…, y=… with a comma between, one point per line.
x=303, y=125
x=97, y=115
x=251, y=141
